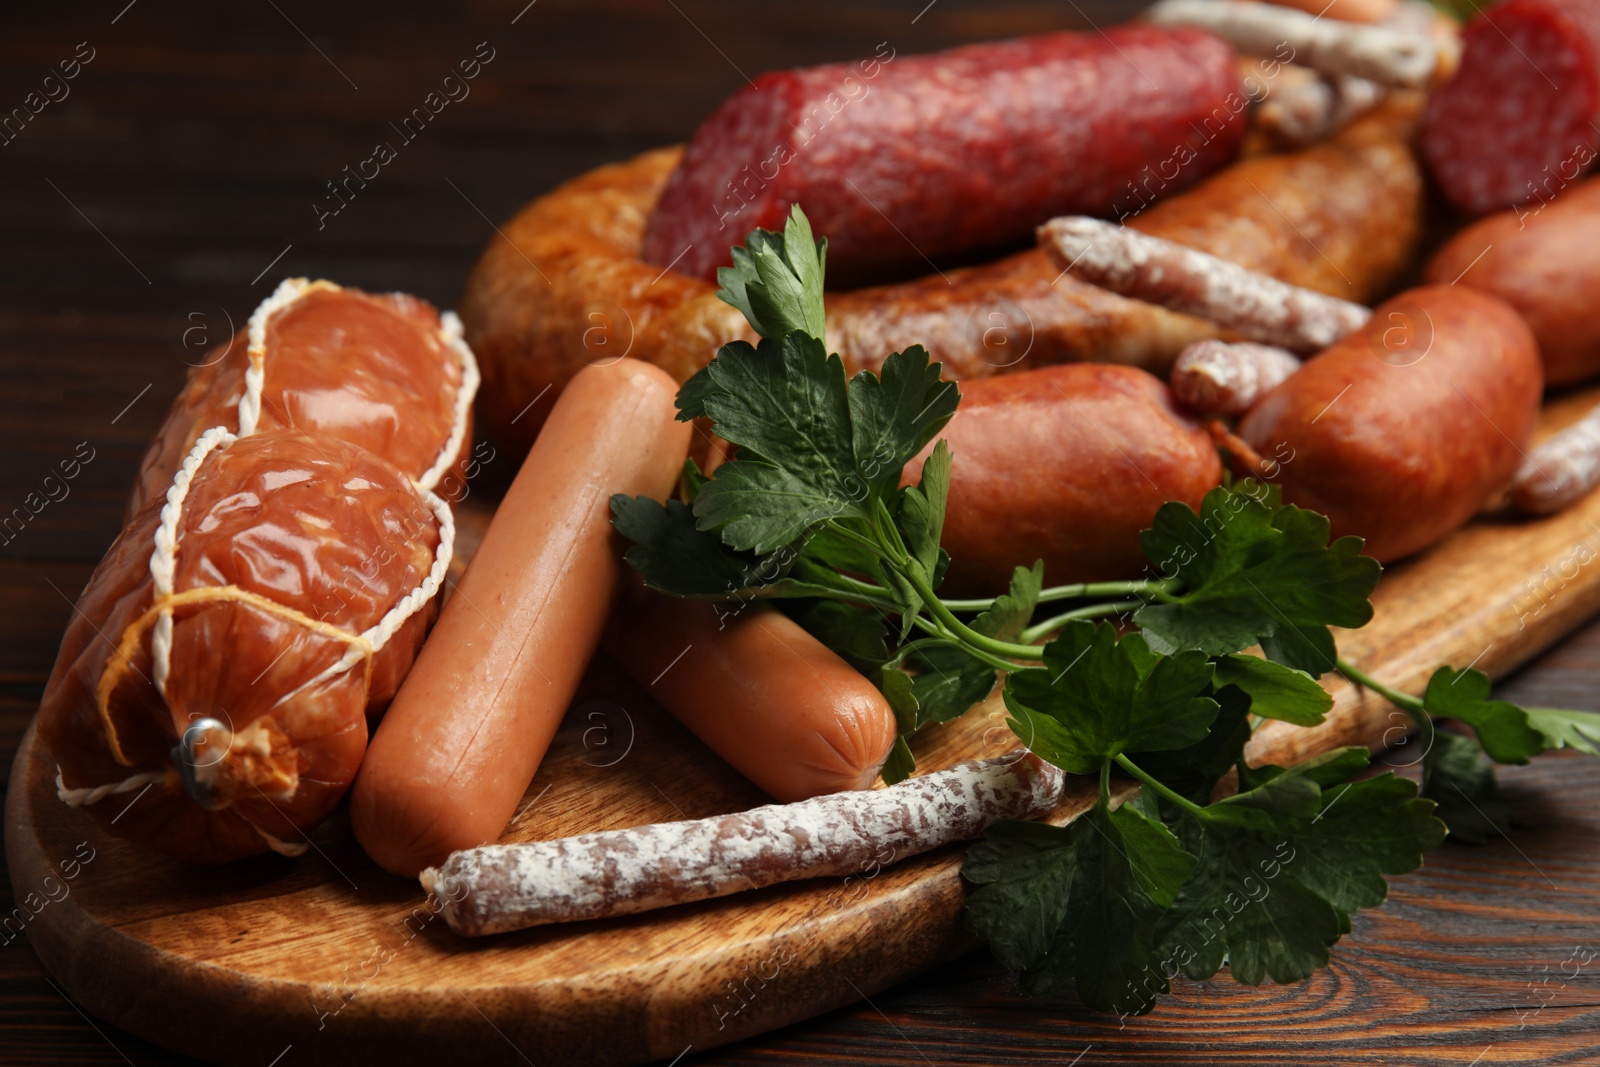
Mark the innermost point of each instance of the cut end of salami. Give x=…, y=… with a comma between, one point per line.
x=1520, y=121
x=902, y=162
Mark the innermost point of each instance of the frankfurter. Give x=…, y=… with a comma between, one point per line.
x=907, y=160
x=1065, y=464
x=567, y=287
x=1544, y=260
x=385, y=372
x=466, y=731
x=763, y=694
x=1517, y=121
x=1400, y=431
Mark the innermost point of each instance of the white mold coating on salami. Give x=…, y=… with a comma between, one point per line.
x=1561, y=469
x=1382, y=54
x=495, y=888
x=1215, y=377
x=1161, y=272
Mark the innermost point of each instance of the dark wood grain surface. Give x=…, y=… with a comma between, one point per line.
x=176, y=178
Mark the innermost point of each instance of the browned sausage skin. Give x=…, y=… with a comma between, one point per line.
x=1543, y=260
x=1399, y=432
x=1065, y=464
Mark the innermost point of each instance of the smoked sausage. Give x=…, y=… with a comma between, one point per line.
x=1065, y=464
x=1400, y=431
x=905, y=160
x=1543, y=260
x=384, y=371
x=763, y=694
x=467, y=730
x=252, y=625
x=567, y=287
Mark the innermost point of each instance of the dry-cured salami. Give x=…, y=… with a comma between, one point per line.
x=496, y=888
x=900, y=160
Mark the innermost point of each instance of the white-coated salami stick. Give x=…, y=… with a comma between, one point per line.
x=1377, y=53
x=495, y=888
x=1163, y=272
x=1214, y=377
x=1560, y=469
x=1304, y=112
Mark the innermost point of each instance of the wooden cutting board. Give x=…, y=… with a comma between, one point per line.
x=328, y=960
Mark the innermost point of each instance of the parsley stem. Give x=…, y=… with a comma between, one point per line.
x=968, y=636
x=1051, y=625
x=1154, y=587
x=1412, y=705
x=1393, y=696
x=1160, y=789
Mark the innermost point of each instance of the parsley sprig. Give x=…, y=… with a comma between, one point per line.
x=1159, y=680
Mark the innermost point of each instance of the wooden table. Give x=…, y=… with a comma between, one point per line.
x=179, y=175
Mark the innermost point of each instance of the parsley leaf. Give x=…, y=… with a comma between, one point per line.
x=1241, y=905
x=776, y=280
x=1096, y=697
x=1502, y=727
x=948, y=683
x=1276, y=691
x=1076, y=907
x=896, y=413
x=1460, y=780
x=1255, y=572
x=921, y=511
x=784, y=405
x=675, y=557
x=1194, y=772
x=1282, y=866
x=855, y=635
x=1578, y=730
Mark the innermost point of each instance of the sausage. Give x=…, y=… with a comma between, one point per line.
x=1396, y=57
x=906, y=160
x=1065, y=464
x=567, y=286
x=294, y=578
x=383, y=371
x=1559, y=470
x=467, y=730
x=1517, y=122
x=763, y=694
x=1218, y=378
x=1399, y=432
x=621, y=872
x=1543, y=260
x=1175, y=276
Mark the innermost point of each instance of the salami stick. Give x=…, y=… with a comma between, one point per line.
x=1378, y=53
x=1561, y=469
x=1173, y=276
x=495, y=888
x=1217, y=378
x=1315, y=109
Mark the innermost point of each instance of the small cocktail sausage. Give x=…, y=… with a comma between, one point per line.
x=763, y=694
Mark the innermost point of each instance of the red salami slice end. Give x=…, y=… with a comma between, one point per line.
x=1521, y=118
